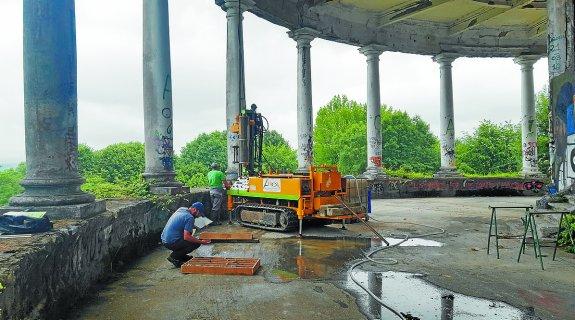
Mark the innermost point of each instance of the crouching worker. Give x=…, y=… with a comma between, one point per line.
x=177, y=234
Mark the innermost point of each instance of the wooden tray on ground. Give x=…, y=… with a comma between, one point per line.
x=228, y=237
x=221, y=266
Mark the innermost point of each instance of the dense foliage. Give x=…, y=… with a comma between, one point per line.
x=113, y=172
x=491, y=149
x=340, y=138
x=542, y=118
x=10, y=183
x=196, y=157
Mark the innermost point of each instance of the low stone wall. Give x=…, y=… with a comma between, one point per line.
x=454, y=187
x=43, y=276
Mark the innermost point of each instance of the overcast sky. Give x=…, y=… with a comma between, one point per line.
x=109, y=37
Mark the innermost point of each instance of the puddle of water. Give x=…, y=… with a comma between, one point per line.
x=413, y=242
x=289, y=259
x=411, y=294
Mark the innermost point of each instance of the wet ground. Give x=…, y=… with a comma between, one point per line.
x=308, y=278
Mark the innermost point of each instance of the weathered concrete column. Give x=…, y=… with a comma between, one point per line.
x=561, y=60
x=50, y=110
x=528, y=122
x=446, y=119
x=374, y=167
x=304, y=37
x=159, y=171
x=235, y=78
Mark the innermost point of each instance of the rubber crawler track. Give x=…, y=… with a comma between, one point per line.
x=289, y=213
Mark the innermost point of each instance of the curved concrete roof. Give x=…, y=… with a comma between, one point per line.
x=473, y=28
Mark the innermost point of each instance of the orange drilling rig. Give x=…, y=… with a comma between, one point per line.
x=282, y=202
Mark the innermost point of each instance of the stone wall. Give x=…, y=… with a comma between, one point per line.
x=454, y=187
x=45, y=275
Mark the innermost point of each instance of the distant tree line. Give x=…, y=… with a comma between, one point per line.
x=410, y=150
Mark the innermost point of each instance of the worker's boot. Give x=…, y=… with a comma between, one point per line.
x=175, y=262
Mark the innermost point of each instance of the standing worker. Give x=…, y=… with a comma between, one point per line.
x=216, y=179
x=177, y=234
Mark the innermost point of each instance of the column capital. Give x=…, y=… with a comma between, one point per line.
x=372, y=50
x=526, y=60
x=445, y=58
x=240, y=5
x=303, y=36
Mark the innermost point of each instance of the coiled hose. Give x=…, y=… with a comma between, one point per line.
x=384, y=261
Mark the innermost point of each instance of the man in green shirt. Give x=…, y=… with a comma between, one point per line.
x=216, y=180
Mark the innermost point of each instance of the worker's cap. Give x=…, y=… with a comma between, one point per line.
x=200, y=207
x=215, y=165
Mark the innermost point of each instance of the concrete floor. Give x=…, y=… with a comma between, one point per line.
x=307, y=278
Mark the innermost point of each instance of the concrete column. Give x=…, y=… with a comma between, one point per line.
x=50, y=111
x=159, y=171
x=561, y=62
x=528, y=122
x=374, y=167
x=303, y=37
x=235, y=78
x=446, y=119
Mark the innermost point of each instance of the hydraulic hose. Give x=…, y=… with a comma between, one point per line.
x=384, y=261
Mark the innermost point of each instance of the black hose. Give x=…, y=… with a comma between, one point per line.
x=384, y=261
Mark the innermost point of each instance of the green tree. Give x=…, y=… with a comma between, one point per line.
x=274, y=138
x=279, y=158
x=196, y=157
x=408, y=143
x=542, y=117
x=10, y=182
x=206, y=149
x=192, y=174
x=491, y=149
x=340, y=138
x=119, y=162
x=86, y=159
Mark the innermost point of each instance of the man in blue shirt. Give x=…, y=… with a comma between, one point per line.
x=177, y=234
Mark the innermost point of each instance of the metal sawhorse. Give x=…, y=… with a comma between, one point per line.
x=532, y=226
x=493, y=224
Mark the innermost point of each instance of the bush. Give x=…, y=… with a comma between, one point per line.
x=10, y=183
x=86, y=159
x=125, y=189
x=193, y=174
x=278, y=158
x=542, y=117
x=340, y=138
x=567, y=237
x=115, y=171
x=491, y=149
x=206, y=149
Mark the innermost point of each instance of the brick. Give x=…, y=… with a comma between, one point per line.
x=221, y=266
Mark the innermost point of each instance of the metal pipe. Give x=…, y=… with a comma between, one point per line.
x=447, y=306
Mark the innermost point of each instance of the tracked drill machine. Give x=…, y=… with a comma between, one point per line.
x=282, y=201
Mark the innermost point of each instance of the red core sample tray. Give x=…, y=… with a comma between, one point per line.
x=221, y=266
x=228, y=237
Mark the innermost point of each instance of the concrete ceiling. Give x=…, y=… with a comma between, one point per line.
x=474, y=28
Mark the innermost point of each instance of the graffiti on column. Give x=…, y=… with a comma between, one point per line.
x=375, y=160
x=70, y=140
x=557, y=54
x=165, y=150
x=375, y=144
x=449, y=128
x=531, y=126
x=164, y=141
x=306, y=147
x=530, y=153
x=563, y=131
x=167, y=86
